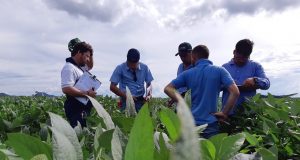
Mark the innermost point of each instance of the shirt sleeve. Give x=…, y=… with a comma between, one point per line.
x=116, y=76
x=67, y=77
x=262, y=80
x=180, y=81
x=179, y=70
x=226, y=78
x=149, y=76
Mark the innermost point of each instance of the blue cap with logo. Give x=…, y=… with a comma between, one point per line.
x=184, y=47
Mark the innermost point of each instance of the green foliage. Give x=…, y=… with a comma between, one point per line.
x=269, y=128
x=272, y=123
x=171, y=121
x=140, y=144
x=27, y=147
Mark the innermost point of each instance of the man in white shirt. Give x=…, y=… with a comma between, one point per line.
x=74, y=68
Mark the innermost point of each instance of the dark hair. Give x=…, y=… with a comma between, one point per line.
x=133, y=55
x=81, y=48
x=244, y=47
x=201, y=51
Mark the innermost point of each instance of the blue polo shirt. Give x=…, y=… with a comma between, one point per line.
x=240, y=74
x=180, y=70
x=205, y=81
x=123, y=76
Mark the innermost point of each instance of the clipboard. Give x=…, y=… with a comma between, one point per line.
x=86, y=82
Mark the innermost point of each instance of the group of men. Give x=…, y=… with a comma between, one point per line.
x=238, y=79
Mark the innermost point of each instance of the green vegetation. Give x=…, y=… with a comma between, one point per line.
x=35, y=128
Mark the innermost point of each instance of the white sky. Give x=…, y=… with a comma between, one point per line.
x=34, y=36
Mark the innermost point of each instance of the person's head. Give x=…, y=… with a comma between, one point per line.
x=184, y=52
x=242, y=52
x=72, y=44
x=82, y=52
x=200, y=52
x=133, y=57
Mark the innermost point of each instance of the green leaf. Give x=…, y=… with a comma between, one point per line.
x=39, y=157
x=130, y=106
x=266, y=154
x=3, y=156
x=171, y=121
x=217, y=140
x=288, y=149
x=62, y=147
x=188, y=98
x=98, y=132
x=230, y=146
x=27, y=146
x=105, y=140
x=162, y=151
x=274, y=150
x=207, y=150
x=188, y=140
x=117, y=143
x=140, y=144
x=256, y=97
x=251, y=139
x=102, y=113
x=273, y=114
x=8, y=155
x=124, y=123
x=269, y=125
x=62, y=126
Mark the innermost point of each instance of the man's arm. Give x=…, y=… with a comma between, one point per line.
x=74, y=92
x=170, y=91
x=116, y=90
x=232, y=98
x=259, y=81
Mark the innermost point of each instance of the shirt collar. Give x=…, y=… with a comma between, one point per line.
x=127, y=68
x=231, y=62
x=203, y=61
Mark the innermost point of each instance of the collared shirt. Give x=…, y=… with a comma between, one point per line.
x=180, y=70
x=123, y=76
x=71, y=73
x=205, y=81
x=240, y=74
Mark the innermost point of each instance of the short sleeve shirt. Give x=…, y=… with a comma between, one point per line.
x=123, y=76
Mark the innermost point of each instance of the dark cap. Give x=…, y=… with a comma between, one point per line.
x=133, y=55
x=72, y=43
x=184, y=48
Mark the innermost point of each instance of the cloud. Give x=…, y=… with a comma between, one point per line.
x=101, y=10
x=170, y=13
x=253, y=6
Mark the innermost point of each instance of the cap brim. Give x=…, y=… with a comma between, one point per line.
x=176, y=54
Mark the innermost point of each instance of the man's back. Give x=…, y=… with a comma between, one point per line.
x=205, y=80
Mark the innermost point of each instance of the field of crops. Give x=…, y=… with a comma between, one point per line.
x=35, y=128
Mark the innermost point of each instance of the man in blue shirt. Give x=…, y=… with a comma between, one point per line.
x=205, y=81
x=132, y=74
x=247, y=74
x=185, y=54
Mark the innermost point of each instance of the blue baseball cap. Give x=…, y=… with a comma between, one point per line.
x=184, y=47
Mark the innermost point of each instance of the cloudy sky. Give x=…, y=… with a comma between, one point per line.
x=34, y=36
